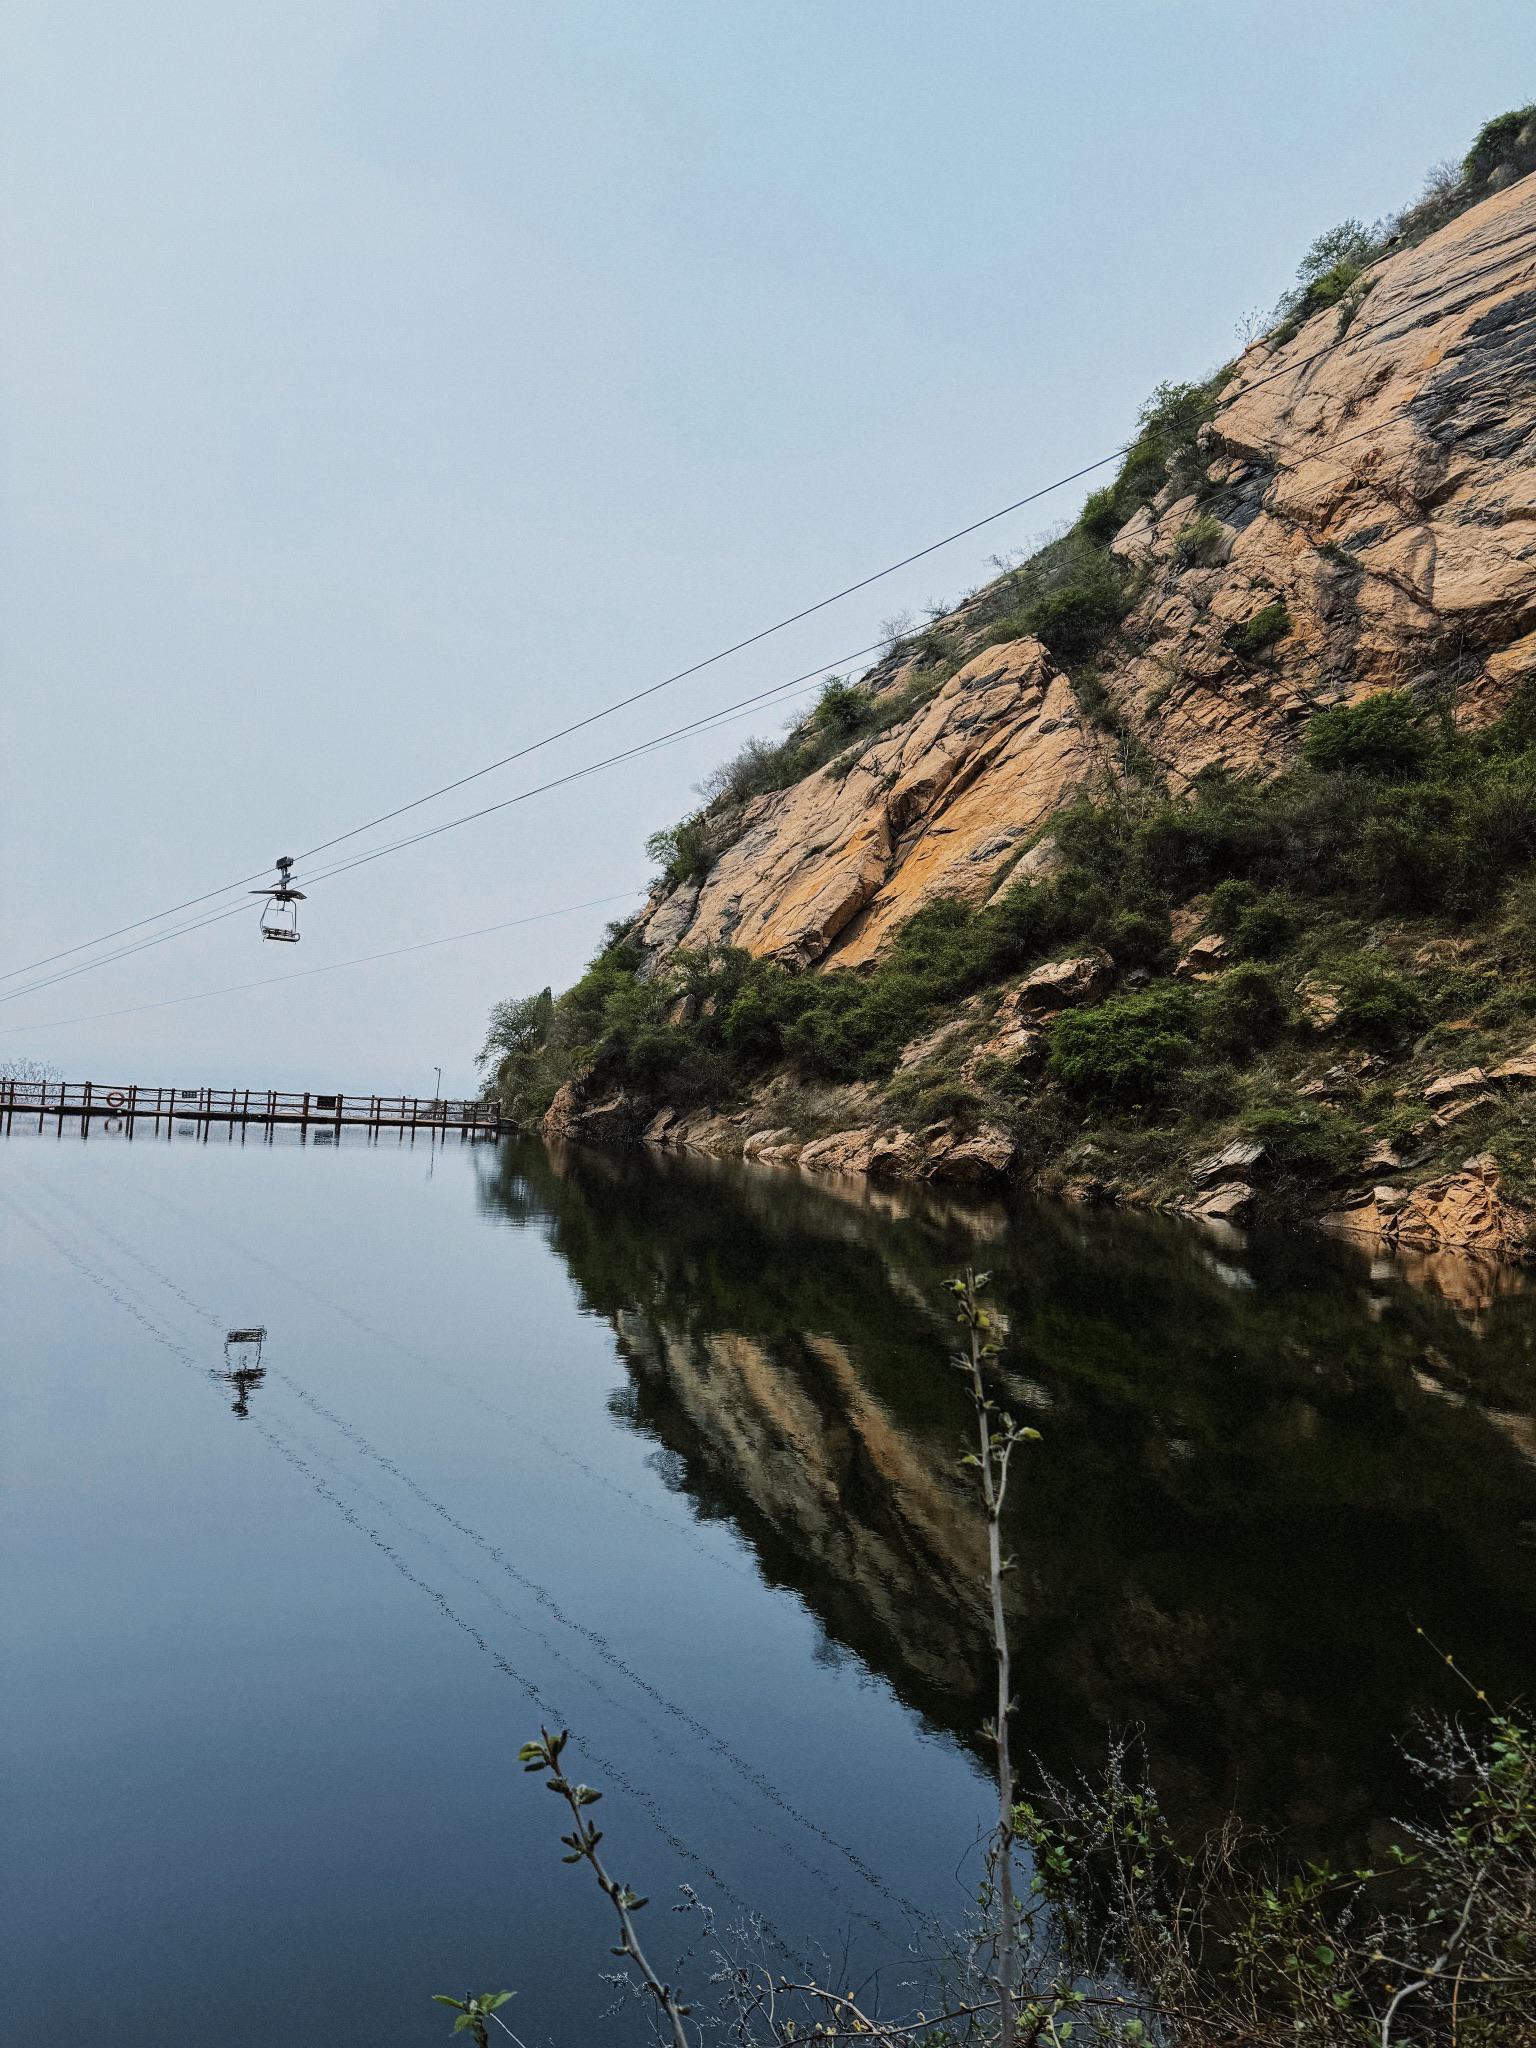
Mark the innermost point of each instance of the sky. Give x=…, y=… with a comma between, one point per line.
x=385, y=386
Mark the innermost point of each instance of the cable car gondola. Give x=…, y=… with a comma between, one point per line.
x=280, y=917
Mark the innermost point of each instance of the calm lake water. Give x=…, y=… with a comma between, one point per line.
x=664, y=1450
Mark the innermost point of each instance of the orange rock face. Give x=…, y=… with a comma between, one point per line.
x=1369, y=475
x=940, y=806
x=1462, y=1211
x=1375, y=483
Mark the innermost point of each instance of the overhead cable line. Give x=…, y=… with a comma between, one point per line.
x=709, y=723
x=236, y=988
x=1358, y=331
x=703, y=725
x=690, y=729
x=334, y=967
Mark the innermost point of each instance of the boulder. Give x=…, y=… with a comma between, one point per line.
x=929, y=1045
x=1521, y=1066
x=1204, y=959
x=1011, y=1039
x=617, y=1119
x=842, y=1152
x=778, y=1147
x=1465, y=1211
x=1235, y=1162
x=1320, y=1002
x=985, y=1155
x=893, y=1155
x=1464, y=1083
x=1330, y=1086
x=1231, y=1203
x=702, y=1131
x=1044, y=859
x=1460, y=1107
x=1064, y=984
x=1457, y=1212
x=1133, y=543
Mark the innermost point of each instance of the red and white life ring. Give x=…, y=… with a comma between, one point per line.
x=116, y=1099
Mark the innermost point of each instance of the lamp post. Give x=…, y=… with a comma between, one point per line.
x=439, y=1073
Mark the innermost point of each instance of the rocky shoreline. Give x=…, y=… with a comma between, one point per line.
x=1461, y=1211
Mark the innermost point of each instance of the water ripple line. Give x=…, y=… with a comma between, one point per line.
x=546, y=1599
x=668, y=1747
x=502, y=1663
x=679, y=1531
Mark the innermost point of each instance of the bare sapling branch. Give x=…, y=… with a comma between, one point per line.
x=997, y=1437
x=581, y=1843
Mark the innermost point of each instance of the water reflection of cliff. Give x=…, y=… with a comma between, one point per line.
x=1260, y=1467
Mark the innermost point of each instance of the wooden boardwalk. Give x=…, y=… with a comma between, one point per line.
x=128, y=1104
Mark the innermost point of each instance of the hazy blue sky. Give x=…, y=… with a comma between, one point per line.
x=388, y=384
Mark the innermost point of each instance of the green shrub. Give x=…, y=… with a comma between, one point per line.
x=1071, y=595
x=1307, y=1145
x=1101, y=518
x=1243, y=1009
x=1131, y=1049
x=842, y=708
x=1093, y=698
x=1207, y=1090
x=1409, y=849
x=1200, y=543
x=1231, y=901
x=1498, y=822
x=1327, y=275
x=1255, y=922
x=923, y=1099
x=1346, y=247
x=1165, y=447
x=684, y=852
x=1138, y=938
x=1504, y=149
x=1256, y=635
x=1265, y=929
x=1385, y=734
x=1185, y=845
x=1378, y=1008
x=1332, y=286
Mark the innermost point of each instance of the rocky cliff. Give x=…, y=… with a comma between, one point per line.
x=1191, y=861
x=1375, y=483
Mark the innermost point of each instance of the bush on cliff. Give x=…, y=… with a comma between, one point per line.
x=1129, y=1050
x=1386, y=734
x=1242, y=1010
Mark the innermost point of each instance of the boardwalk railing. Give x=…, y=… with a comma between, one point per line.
x=129, y=1102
